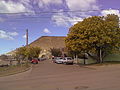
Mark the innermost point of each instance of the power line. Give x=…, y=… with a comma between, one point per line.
x=43, y=12
x=45, y=17
x=34, y=20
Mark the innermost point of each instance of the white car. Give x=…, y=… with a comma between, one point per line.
x=68, y=60
x=59, y=60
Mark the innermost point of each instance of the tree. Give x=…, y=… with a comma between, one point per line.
x=33, y=52
x=56, y=52
x=27, y=52
x=96, y=35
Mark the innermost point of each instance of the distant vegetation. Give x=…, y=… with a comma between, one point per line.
x=56, y=52
x=28, y=52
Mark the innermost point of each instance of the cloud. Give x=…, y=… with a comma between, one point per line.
x=61, y=19
x=12, y=7
x=48, y=2
x=25, y=2
x=75, y=20
x=7, y=35
x=12, y=33
x=24, y=36
x=52, y=2
x=46, y=31
x=110, y=11
x=28, y=5
x=71, y=4
x=82, y=4
x=66, y=19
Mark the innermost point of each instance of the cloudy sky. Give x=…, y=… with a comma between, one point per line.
x=45, y=18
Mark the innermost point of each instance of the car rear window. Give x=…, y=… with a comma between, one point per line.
x=59, y=58
x=69, y=58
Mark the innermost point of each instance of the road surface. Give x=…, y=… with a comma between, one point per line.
x=50, y=76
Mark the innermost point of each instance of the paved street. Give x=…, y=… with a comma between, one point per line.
x=49, y=76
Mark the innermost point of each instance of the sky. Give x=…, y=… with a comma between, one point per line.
x=46, y=18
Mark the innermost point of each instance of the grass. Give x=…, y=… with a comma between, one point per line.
x=10, y=70
x=105, y=63
x=110, y=62
x=93, y=62
x=112, y=57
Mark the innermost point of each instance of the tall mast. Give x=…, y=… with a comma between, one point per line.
x=27, y=37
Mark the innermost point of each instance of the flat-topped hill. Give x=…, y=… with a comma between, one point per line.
x=47, y=42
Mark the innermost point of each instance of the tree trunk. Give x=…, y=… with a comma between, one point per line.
x=84, y=59
x=77, y=58
x=100, y=56
x=74, y=58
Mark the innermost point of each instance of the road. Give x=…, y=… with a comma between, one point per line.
x=50, y=76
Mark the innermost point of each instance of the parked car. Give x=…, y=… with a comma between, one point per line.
x=34, y=61
x=41, y=59
x=58, y=60
x=68, y=60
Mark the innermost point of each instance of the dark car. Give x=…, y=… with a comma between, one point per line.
x=34, y=61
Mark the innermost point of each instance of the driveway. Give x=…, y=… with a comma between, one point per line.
x=50, y=76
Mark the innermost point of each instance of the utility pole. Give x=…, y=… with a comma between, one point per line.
x=27, y=37
x=27, y=44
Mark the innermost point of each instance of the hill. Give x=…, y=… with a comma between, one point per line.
x=47, y=42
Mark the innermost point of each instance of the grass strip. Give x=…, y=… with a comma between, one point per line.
x=15, y=69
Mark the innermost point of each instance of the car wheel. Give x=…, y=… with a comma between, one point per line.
x=64, y=63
